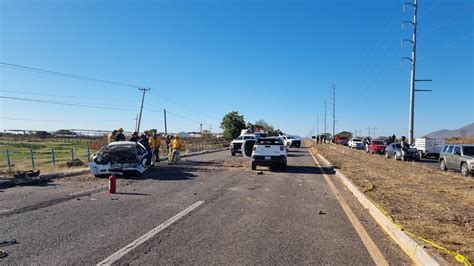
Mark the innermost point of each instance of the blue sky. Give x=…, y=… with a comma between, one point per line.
x=271, y=60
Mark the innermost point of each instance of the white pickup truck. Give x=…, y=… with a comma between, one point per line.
x=269, y=152
x=236, y=144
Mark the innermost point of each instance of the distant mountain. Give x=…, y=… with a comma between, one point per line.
x=467, y=131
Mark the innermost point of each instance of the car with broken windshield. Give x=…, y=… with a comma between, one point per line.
x=121, y=158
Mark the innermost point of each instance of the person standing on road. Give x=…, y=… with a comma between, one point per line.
x=169, y=138
x=151, y=143
x=144, y=141
x=157, y=147
x=120, y=136
x=176, y=146
x=111, y=136
x=394, y=138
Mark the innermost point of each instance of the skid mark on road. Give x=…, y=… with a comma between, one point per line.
x=373, y=250
x=119, y=254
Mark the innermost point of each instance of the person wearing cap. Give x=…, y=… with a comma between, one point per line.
x=120, y=136
x=111, y=136
x=169, y=139
x=176, y=146
x=135, y=137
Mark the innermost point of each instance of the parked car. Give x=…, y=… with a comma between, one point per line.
x=269, y=152
x=356, y=143
x=236, y=144
x=121, y=157
x=377, y=146
x=291, y=141
x=342, y=140
x=394, y=150
x=457, y=157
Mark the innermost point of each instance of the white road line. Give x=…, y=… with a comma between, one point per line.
x=119, y=254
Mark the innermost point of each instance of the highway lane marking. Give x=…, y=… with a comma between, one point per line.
x=122, y=252
x=369, y=244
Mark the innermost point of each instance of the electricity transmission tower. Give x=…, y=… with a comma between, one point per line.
x=413, y=80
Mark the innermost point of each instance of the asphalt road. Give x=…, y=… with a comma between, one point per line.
x=245, y=218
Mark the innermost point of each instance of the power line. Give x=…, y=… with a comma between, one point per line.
x=62, y=96
x=60, y=121
x=64, y=103
x=64, y=75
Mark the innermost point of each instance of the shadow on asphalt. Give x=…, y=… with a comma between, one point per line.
x=308, y=170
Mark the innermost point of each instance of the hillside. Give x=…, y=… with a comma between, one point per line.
x=467, y=131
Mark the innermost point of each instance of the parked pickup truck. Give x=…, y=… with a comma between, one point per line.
x=269, y=152
x=236, y=144
x=457, y=157
x=428, y=147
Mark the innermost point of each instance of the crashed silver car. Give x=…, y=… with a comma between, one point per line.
x=121, y=157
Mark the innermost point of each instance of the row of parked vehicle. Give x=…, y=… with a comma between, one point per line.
x=263, y=150
x=450, y=156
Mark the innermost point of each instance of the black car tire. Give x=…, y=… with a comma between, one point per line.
x=232, y=153
x=254, y=166
x=464, y=169
x=283, y=167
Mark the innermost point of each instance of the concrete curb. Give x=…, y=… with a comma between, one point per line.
x=50, y=176
x=414, y=250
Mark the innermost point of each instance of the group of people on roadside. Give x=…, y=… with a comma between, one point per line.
x=152, y=143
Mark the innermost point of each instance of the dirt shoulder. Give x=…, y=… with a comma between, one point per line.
x=435, y=205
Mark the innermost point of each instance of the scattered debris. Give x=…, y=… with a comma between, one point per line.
x=3, y=254
x=8, y=243
x=75, y=162
x=321, y=213
x=259, y=173
x=26, y=174
x=114, y=198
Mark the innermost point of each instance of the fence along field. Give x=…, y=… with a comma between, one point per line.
x=53, y=154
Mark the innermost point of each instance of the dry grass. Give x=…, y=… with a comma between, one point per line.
x=455, y=140
x=432, y=204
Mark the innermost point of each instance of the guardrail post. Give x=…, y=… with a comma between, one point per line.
x=32, y=158
x=8, y=161
x=88, y=154
x=72, y=153
x=53, y=156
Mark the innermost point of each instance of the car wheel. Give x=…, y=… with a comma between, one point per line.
x=464, y=169
x=254, y=166
x=102, y=176
x=232, y=153
x=283, y=167
x=442, y=165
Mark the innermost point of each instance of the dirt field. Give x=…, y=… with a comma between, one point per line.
x=435, y=205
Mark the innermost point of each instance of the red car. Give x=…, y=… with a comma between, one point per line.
x=341, y=140
x=377, y=146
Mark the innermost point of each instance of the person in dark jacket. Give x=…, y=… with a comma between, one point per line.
x=120, y=136
x=135, y=137
x=144, y=141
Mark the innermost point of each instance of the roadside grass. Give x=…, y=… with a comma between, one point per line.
x=456, y=140
x=435, y=205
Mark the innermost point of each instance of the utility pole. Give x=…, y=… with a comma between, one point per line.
x=325, y=115
x=333, y=109
x=141, y=108
x=200, y=127
x=166, y=124
x=413, y=80
x=136, y=123
x=374, y=132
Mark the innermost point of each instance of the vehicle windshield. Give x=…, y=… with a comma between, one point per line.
x=269, y=142
x=377, y=142
x=468, y=151
x=356, y=140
